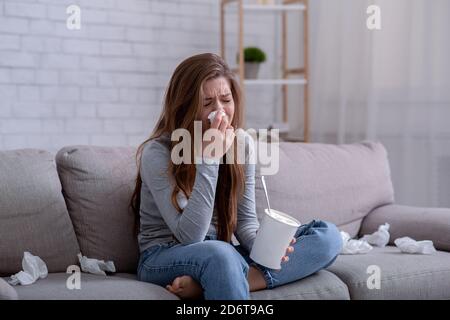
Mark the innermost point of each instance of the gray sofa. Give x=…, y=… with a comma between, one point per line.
x=55, y=206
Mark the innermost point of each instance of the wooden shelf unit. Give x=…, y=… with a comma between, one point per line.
x=285, y=81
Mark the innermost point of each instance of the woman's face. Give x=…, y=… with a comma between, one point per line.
x=217, y=96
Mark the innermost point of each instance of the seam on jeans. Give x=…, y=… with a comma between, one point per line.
x=147, y=252
x=246, y=269
x=171, y=266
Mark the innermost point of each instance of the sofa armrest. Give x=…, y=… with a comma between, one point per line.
x=7, y=292
x=417, y=223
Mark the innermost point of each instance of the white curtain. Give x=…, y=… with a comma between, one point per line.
x=391, y=85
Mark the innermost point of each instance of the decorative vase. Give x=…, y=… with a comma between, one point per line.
x=251, y=70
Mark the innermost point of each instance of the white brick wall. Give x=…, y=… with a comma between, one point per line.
x=103, y=84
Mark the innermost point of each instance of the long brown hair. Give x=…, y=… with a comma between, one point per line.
x=182, y=106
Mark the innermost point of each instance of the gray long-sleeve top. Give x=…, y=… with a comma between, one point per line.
x=160, y=220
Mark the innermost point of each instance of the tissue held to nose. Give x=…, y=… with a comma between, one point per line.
x=212, y=115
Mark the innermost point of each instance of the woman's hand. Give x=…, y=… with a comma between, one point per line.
x=289, y=250
x=226, y=136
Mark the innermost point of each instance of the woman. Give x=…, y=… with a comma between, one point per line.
x=190, y=211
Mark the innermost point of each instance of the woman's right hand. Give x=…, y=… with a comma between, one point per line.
x=225, y=138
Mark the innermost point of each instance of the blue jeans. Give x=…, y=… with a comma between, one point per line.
x=222, y=268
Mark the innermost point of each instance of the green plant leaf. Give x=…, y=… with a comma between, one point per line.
x=254, y=54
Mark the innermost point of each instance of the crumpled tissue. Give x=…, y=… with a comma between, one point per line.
x=182, y=200
x=34, y=268
x=95, y=266
x=353, y=246
x=379, y=238
x=409, y=245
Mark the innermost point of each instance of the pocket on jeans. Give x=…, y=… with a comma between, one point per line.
x=148, y=252
x=145, y=256
x=169, y=244
x=153, y=249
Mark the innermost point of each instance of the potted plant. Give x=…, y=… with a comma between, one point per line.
x=253, y=57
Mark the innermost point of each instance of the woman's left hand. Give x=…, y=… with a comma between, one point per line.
x=289, y=249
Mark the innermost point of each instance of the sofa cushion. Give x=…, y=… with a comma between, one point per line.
x=414, y=222
x=33, y=214
x=97, y=185
x=6, y=291
x=403, y=276
x=336, y=183
x=93, y=287
x=322, y=285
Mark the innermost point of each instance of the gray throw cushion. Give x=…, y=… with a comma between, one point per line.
x=97, y=184
x=33, y=214
x=93, y=287
x=6, y=291
x=336, y=183
x=322, y=285
x=403, y=276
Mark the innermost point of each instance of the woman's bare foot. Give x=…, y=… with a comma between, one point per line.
x=185, y=288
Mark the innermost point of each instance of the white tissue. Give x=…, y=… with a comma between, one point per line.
x=182, y=200
x=353, y=246
x=379, y=238
x=212, y=115
x=33, y=269
x=95, y=266
x=408, y=245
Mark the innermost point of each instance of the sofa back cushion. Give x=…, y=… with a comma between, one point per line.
x=33, y=214
x=97, y=185
x=337, y=183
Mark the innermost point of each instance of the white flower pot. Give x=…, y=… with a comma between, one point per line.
x=251, y=70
